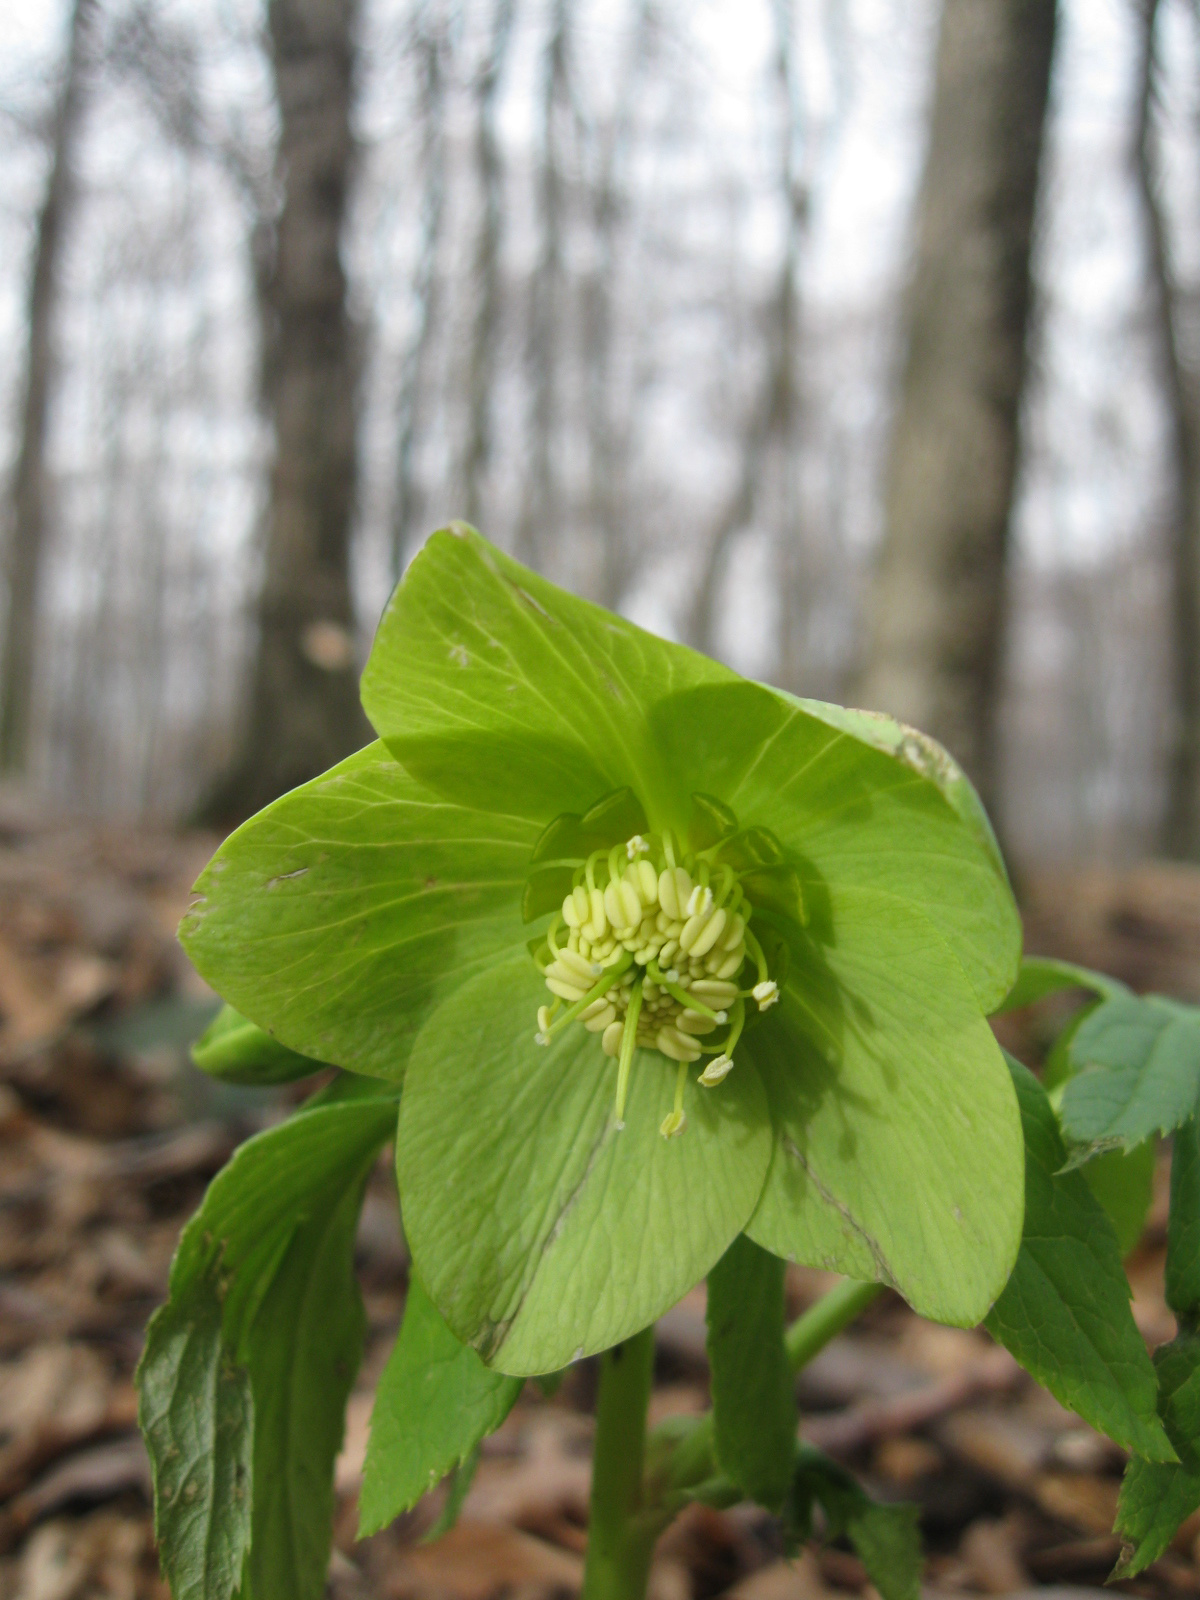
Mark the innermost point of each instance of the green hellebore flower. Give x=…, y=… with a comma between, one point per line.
x=380, y=918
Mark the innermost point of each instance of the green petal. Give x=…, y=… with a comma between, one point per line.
x=499, y=689
x=854, y=804
x=543, y=1232
x=899, y=1154
x=340, y=915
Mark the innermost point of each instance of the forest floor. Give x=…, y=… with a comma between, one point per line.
x=108, y=1136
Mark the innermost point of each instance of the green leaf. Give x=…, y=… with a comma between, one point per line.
x=196, y=1411
x=1065, y=1311
x=1183, y=1226
x=753, y=1394
x=886, y=1537
x=1137, y=1073
x=262, y=1295
x=1124, y=1186
x=899, y=1155
x=435, y=1401
x=541, y=1230
x=1155, y=1498
x=1041, y=976
x=461, y=1479
x=501, y=690
x=340, y=915
x=236, y=1051
x=303, y=1351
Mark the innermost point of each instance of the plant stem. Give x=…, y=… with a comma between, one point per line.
x=809, y=1334
x=620, y=1543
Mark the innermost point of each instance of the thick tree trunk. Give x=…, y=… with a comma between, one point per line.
x=304, y=712
x=936, y=610
x=1181, y=833
x=29, y=511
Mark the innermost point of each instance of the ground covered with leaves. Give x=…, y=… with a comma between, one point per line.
x=108, y=1138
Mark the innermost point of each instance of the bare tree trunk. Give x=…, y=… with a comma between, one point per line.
x=1181, y=832
x=538, y=521
x=482, y=364
x=304, y=712
x=772, y=419
x=30, y=511
x=431, y=48
x=936, y=609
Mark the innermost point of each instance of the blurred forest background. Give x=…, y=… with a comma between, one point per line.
x=857, y=341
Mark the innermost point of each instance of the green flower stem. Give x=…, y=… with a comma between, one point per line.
x=682, y=1463
x=620, y=1542
x=809, y=1334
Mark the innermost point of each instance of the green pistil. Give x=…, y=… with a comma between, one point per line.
x=628, y=1046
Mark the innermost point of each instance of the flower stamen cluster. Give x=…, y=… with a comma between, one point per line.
x=649, y=952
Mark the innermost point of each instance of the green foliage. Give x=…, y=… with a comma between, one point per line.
x=753, y=1392
x=1065, y=1313
x=236, y=1051
x=435, y=1401
x=1124, y=1186
x=1041, y=976
x=886, y=1537
x=1156, y=1498
x=246, y=1370
x=1137, y=1073
x=197, y=1413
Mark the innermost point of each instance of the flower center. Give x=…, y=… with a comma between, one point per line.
x=651, y=950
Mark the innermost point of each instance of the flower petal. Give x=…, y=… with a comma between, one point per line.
x=500, y=689
x=899, y=1154
x=542, y=1231
x=340, y=915
x=854, y=799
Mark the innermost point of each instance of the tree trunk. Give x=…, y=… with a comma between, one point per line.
x=304, y=712
x=936, y=609
x=486, y=287
x=29, y=514
x=1181, y=833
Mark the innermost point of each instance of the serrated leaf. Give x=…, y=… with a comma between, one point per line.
x=460, y=1481
x=1064, y=1313
x=196, y=1411
x=1124, y=1186
x=303, y=1351
x=753, y=1393
x=238, y=1051
x=1155, y=1498
x=1137, y=1073
x=1041, y=976
x=264, y=1273
x=1183, y=1226
x=886, y=1537
x=435, y=1401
